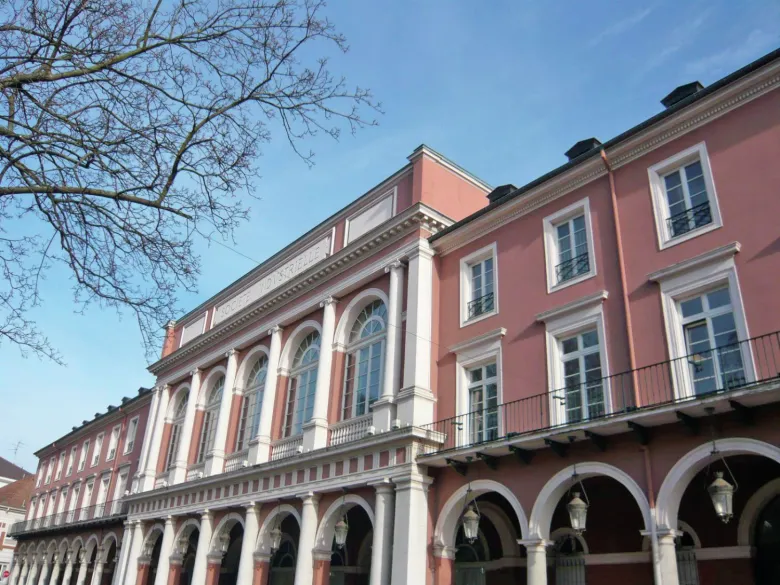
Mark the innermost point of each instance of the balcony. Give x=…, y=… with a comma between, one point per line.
x=236, y=460
x=726, y=372
x=689, y=219
x=480, y=306
x=196, y=471
x=352, y=429
x=89, y=515
x=568, y=269
x=287, y=447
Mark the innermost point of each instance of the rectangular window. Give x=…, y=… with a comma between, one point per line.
x=100, y=503
x=479, y=285
x=483, y=403
x=132, y=430
x=98, y=449
x=49, y=470
x=173, y=445
x=207, y=435
x=583, y=391
x=83, y=457
x=60, y=466
x=712, y=342
x=568, y=241
x=71, y=460
x=74, y=499
x=300, y=401
x=363, y=379
x=113, y=442
x=684, y=200
x=86, y=501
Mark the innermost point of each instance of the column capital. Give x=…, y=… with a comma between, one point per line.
x=207, y=513
x=275, y=329
x=261, y=557
x=170, y=324
x=251, y=506
x=443, y=552
x=394, y=265
x=194, y=372
x=423, y=249
x=665, y=534
x=327, y=301
x=383, y=486
x=230, y=353
x=321, y=555
x=309, y=498
x=534, y=544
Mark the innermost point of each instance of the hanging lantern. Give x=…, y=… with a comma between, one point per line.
x=722, y=496
x=182, y=545
x=224, y=543
x=471, y=524
x=341, y=529
x=578, y=512
x=276, y=539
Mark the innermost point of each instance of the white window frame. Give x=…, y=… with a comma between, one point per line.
x=550, y=223
x=60, y=466
x=656, y=174
x=113, y=442
x=569, y=320
x=71, y=460
x=130, y=437
x=702, y=274
x=470, y=354
x=97, y=449
x=84, y=454
x=75, y=492
x=489, y=251
x=50, y=470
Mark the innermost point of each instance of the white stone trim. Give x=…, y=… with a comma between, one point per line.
x=474, y=353
x=232, y=517
x=549, y=225
x=246, y=366
x=391, y=193
x=263, y=543
x=296, y=337
x=724, y=253
x=752, y=510
x=492, y=336
x=553, y=490
x=324, y=538
x=681, y=474
x=208, y=383
x=351, y=312
x=718, y=553
x=697, y=152
x=489, y=251
x=575, y=306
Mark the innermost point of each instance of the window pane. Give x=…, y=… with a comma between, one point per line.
x=590, y=339
x=718, y=298
x=490, y=371
x=691, y=307
x=569, y=345
x=725, y=330
x=476, y=375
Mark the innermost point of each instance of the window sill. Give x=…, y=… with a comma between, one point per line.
x=571, y=282
x=478, y=318
x=671, y=242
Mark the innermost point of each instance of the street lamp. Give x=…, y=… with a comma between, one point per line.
x=470, y=518
x=577, y=507
x=223, y=543
x=342, y=528
x=722, y=496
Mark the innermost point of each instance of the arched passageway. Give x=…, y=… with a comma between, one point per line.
x=109, y=565
x=188, y=558
x=284, y=559
x=228, y=573
x=350, y=564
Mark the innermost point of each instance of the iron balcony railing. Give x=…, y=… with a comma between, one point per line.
x=725, y=369
x=106, y=510
x=689, y=219
x=480, y=306
x=572, y=267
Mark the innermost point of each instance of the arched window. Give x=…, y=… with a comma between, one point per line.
x=176, y=425
x=303, y=382
x=251, y=403
x=209, y=427
x=365, y=360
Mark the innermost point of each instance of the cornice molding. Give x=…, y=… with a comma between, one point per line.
x=417, y=216
x=716, y=255
x=689, y=119
x=489, y=337
x=576, y=305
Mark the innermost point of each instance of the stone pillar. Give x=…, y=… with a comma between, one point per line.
x=133, y=553
x=97, y=572
x=536, y=553
x=215, y=461
x=55, y=572
x=68, y=569
x=415, y=400
x=24, y=572
x=14, y=579
x=123, y=550
x=82, y=575
x=32, y=575
x=246, y=562
x=174, y=572
x=321, y=568
x=384, y=408
x=166, y=549
x=315, y=432
x=142, y=571
x=200, y=567
x=410, y=535
x=262, y=569
x=153, y=438
x=180, y=467
x=214, y=566
x=260, y=445
x=667, y=556
x=44, y=574
x=304, y=567
x=382, y=545
x=444, y=561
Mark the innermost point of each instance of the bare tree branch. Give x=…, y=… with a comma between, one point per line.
x=128, y=129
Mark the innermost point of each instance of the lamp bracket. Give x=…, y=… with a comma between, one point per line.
x=559, y=449
x=691, y=423
x=746, y=414
x=490, y=461
x=523, y=455
x=642, y=433
x=599, y=440
x=458, y=466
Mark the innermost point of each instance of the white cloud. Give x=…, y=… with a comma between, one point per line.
x=620, y=27
x=758, y=42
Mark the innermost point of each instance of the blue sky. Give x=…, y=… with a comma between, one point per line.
x=503, y=88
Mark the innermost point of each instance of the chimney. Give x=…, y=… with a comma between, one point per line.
x=681, y=92
x=500, y=192
x=582, y=147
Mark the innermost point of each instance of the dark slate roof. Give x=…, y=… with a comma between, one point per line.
x=16, y=494
x=11, y=471
x=680, y=105
x=681, y=92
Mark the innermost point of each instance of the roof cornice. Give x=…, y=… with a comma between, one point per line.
x=451, y=166
x=621, y=150
x=417, y=216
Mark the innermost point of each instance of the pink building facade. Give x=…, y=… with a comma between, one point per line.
x=572, y=382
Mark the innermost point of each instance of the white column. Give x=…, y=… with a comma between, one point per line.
x=315, y=435
x=304, y=568
x=153, y=438
x=82, y=576
x=384, y=408
x=410, y=535
x=180, y=467
x=382, y=545
x=215, y=461
x=97, y=572
x=201, y=553
x=25, y=571
x=43, y=577
x=667, y=553
x=32, y=574
x=131, y=572
x=120, y=567
x=15, y=572
x=166, y=549
x=415, y=400
x=260, y=446
x=68, y=568
x=536, y=553
x=55, y=571
x=246, y=563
